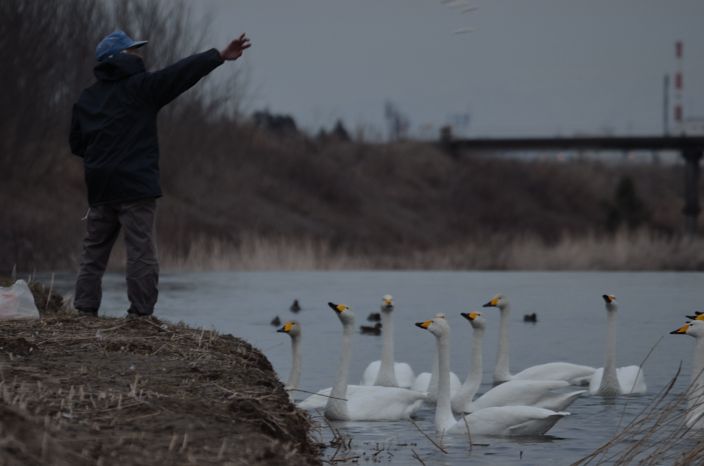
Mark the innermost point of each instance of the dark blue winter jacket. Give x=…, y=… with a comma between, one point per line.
x=113, y=126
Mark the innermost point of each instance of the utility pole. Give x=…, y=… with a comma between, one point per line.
x=679, y=86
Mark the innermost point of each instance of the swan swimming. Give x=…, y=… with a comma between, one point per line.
x=609, y=380
x=539, y=393
x=428, y=381
x=386, y=372
x=365, y=403
x=293, y=329
x=575, y=374
x=695, y=392
x=497, y=421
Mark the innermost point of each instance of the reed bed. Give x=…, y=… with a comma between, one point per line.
x=658, y=435
x=639, y=250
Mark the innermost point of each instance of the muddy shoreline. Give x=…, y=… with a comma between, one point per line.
x=80, y=390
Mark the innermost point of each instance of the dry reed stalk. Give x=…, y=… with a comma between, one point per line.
x=417, y=457
x=315, y=393
x=428, y=437
x=640, y=250
x=658, y=435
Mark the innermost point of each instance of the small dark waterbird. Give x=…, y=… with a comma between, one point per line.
x=295, y=306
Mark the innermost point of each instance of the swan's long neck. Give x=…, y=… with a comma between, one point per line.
x=609, y=379
x=336, y=407
x=386, y=377
x=443, y=411
x=294, y=377
x=474, y=377
x=501, y=371
x=433, y=383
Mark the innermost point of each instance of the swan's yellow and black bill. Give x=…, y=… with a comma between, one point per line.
x=697, y=316
x=424, y=325
x=493, y=302
x=339, y=308
x=609, y=298
x=680, y=331
x=470, y=315
x=388, y=300
x=286, y=327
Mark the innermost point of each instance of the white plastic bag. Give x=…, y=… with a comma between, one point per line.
x=17, y=302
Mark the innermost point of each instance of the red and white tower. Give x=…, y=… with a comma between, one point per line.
x=678, y=113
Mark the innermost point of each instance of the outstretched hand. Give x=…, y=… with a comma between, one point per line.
x=234, y=49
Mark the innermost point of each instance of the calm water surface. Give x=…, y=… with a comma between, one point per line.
x=571, y=327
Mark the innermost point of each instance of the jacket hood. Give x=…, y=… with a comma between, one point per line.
x=119, y=66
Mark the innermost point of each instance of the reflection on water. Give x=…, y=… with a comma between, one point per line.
x=571, y=326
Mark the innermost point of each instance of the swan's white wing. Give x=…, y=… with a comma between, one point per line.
x=630, y=379
x=519, y=392
x=561, y=401
x=367, y=403
x=572, y=373
x=455, y=383
x=538, y=426
x=595, y=381
x=370, y=373
x=404, y=374
x=420, y=384
x=316, y=401
x=461, y=401
x=320, y=399
x=403, y=371
x=509, y=421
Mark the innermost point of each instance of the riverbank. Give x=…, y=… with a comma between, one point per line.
x=80, y=390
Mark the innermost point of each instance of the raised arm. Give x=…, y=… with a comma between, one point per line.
x=165, y=85
x=234, y=49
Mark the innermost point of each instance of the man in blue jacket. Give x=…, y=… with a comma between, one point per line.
x=114, y=130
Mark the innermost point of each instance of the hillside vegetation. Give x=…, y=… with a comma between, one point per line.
x=240, y=195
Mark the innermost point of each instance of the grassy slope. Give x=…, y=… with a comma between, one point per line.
x=405, y=204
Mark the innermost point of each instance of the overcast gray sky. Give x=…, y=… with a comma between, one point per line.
x=530, y=67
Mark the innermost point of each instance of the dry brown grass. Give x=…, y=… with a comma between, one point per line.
x=623, y=251
x=85, y=391
x=658, y=435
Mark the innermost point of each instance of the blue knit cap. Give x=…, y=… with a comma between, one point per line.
x=114, y=43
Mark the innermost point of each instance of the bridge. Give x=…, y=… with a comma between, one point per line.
x=690, y=148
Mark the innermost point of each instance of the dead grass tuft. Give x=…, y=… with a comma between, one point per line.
x=658, y=435
x=143, y=391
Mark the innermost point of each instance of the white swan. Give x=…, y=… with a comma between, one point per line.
x=427, y=382
x=386, y=372
x=319, y=399
x=366, y=403
x=463, y=397
x=293, y=329
x=502, y=420
x=695, y=392
x=575, y=374
x=539, y=393
x=609, y=380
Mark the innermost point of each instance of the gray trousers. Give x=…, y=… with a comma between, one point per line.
x=103, y=224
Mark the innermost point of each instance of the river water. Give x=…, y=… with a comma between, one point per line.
x=571, y=327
